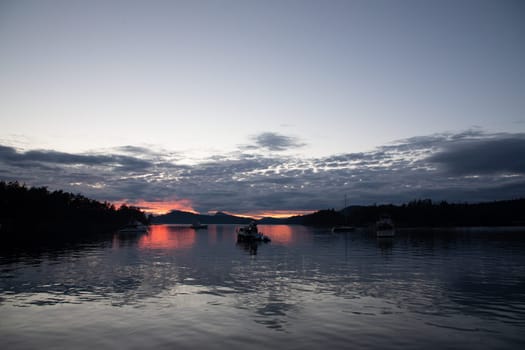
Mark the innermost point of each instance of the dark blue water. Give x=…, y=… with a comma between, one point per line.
x=177, y=288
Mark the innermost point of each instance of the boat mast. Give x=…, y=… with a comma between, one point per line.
x=346, y=212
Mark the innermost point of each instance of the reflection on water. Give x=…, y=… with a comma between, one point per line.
x=280, y=234
x=385, y=244
x=180, y=288
x=250, y=247
x=167, y=237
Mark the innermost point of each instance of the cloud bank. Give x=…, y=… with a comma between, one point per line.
x=470, y=166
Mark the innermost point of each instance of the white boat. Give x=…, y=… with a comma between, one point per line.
x=134, y=227
x=251, y=233
x=198, y=226
x=385, y=227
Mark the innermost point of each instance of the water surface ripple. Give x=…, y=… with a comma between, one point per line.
x=179, y=288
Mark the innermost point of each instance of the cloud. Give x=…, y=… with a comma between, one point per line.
x=134, y=149
x=503, y=154
x=7, y=153
x=468, y=166
x=29, y=158
x=274, y=142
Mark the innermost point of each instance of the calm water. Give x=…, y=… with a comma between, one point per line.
x=177, y=288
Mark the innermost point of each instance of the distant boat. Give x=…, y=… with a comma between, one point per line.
x=251, y=233
x=385, y=227
x=346, y=227
x=198, y=226
x=134, y=227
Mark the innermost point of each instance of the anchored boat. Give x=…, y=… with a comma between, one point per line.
x=385, y=227
x=198, y=226
x=251, y=233
x=345, y=227
x=134, y=227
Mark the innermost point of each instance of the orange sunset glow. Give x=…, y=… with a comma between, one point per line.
x=278, y=214
x=161, y=207
x=164, y=207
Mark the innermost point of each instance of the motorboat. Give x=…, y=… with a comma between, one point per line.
x=198, y=226
x=251, y=233
x=385, y=227
x=134, y=227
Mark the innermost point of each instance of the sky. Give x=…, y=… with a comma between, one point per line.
x=264, y=107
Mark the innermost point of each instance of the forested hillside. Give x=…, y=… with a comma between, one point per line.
x=36, y=211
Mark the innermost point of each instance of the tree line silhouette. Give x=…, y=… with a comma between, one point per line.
x=38, y=212
x=423, y=213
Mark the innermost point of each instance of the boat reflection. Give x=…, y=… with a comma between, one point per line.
x=249, y=246
x=385, y=244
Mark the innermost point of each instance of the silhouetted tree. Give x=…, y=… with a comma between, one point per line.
x=37, y=212
x=425, y=213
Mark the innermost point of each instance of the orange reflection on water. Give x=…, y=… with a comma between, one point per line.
x=212, y=234
x=280, y=234
x=167, y=237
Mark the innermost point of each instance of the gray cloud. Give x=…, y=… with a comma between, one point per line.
x=505, y=154
x=29, y=158
x=470, y=166
x=274, y=142
x=134, y=149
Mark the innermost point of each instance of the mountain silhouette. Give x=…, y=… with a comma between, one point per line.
x=417, y=213
x=183, y=217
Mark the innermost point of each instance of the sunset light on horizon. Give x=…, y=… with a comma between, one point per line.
x=278, y=214
x=160, y=207
x=164, y=207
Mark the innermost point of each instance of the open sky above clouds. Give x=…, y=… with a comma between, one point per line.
x=264, y=106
